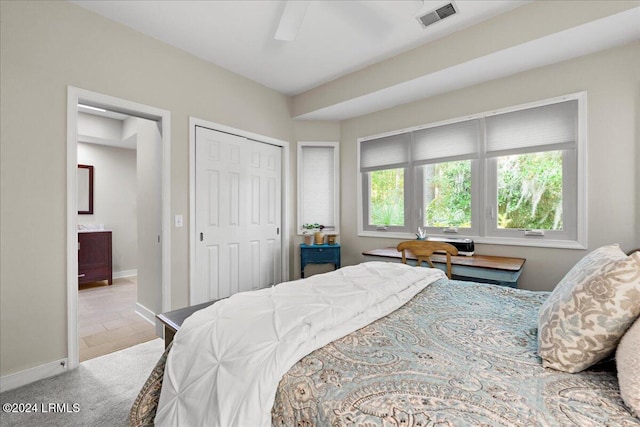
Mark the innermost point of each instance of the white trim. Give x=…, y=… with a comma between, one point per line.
x=387, y=234
x=74, y=96
x=125, y=273
x=18, y=379
x=193, y=122
x=504, y=241
x=286, y=184
x=530, y=242
x=73, y=347
x=145, y=313
x=150, y=317
x=582, y=172
x=336, y=182
x=359, y=195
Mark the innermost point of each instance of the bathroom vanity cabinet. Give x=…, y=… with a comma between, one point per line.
x=94, y=256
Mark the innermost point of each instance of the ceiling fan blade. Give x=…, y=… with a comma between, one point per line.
x=291, y=19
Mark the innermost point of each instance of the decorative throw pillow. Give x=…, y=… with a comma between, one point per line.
x=585, y=316
x=628, y=364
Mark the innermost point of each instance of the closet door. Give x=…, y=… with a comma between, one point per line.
x=238, y=215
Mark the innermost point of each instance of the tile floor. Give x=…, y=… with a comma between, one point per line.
x=107, y=321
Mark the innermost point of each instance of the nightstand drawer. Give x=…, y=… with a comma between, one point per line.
x=319, y=254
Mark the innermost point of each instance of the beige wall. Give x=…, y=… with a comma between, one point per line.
x=149, y=213
x=114, y=199
x=611, y=81
x=45, y=47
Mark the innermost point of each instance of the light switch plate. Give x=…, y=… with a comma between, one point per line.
x=179, y=221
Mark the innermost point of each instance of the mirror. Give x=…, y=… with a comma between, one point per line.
x=85, y=190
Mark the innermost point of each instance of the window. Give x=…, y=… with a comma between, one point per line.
x=445, y=158
x=530, y=191
x=509, y=177
x=531, y=156
x=319, y=184
x=386, y=195
x=446, y=194
x=383, y=164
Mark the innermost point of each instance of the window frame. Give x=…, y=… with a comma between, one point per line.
x=406, y=228
x=335, y=145
x=484, y=189
x=448, y=231
x=568, y=208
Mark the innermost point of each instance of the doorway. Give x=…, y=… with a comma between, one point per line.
x=119, y=234
x=160, y=249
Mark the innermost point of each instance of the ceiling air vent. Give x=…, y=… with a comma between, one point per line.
x=428, y=18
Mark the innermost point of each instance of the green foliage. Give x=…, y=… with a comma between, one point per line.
x=530, y=191
x=314, y=226
x=447, y=194
x=387, y=197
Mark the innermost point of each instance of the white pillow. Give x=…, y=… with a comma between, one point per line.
x=585, y=316
x=628, y=364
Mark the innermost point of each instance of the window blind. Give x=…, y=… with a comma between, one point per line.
x=385, y=153
x=550, y=127
x=317, y=185
x=456, y=141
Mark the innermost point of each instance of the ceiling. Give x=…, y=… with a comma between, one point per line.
x=336, y=38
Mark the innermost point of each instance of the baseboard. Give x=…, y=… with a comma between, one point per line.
x=124, y=273
x=150, y=317
x=28, y=376
x=145, y=313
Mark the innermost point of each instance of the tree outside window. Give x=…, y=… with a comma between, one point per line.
x=447, y=194
x=530, y=191
x=386, y=195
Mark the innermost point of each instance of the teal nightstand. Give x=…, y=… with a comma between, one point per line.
x=319, y=254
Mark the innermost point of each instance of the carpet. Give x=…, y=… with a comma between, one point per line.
x=99, y=393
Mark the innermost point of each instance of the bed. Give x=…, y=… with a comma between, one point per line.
x=457, y=353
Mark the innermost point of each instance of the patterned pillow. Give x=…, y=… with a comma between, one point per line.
x=591, y=308
x=628, y=364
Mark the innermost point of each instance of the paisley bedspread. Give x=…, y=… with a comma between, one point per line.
x=458, y=354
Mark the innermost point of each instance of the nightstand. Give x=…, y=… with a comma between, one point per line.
x=319, y=254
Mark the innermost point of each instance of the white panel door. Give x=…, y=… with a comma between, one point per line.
x=265, y=255
x=238, y=214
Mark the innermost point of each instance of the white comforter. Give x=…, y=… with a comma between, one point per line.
x=227, y=360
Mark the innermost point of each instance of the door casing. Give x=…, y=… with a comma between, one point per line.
x=75, y=96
